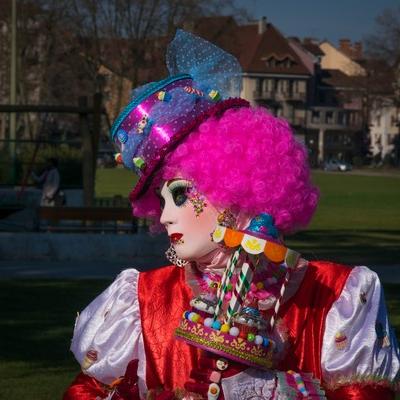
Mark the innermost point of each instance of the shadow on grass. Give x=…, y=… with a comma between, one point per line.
x=37, y=323
x=367, y=247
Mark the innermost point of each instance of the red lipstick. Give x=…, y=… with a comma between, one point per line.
x=175, y=237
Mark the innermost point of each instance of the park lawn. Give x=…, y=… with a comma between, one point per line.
x=357, y=202
x=348, y=202
x=112, y=182
x=36, y=328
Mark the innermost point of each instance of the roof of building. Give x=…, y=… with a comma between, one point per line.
x=312, y=47
x=253, y=49
x=336, y=78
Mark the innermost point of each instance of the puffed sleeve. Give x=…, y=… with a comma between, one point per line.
x=108, y=333
x=359, y=347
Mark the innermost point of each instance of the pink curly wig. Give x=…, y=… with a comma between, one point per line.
x=246, y=160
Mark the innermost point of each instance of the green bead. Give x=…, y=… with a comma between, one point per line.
x=139, y=162
x=250, y=337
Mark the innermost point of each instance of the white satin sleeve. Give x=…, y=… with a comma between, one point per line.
x=110, y=328
x=358, y=343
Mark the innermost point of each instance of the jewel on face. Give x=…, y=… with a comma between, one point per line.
x=198, y=201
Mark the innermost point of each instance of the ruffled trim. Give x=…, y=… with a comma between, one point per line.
x=362, y=380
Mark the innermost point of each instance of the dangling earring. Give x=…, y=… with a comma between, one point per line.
x=227, y=219
x=173, y=257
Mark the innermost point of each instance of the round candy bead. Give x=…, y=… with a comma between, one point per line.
x=243, y=335
x=234, y=331
x=186, y=314
x=208, y=322
x=250, y=337
x=265, y=342
x=225, y=328
x=258, y=340
x=191, y=316
x=195, y=317
x=216, y=325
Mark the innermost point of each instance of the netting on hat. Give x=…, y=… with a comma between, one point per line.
x=201, y=75
x=210, y=66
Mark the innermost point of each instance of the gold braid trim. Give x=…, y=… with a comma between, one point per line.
x=264, y=361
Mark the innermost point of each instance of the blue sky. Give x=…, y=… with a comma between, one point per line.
x=323, y=19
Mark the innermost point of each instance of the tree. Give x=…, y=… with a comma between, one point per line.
x=384, y=47
x=384, y=43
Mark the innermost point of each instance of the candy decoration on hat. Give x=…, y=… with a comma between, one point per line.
x=118, y=158
x=214, y=95
x=122, y=136
x=139, y=162
x=192, y=90
x=163, y=95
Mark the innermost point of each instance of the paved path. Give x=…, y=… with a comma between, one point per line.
x=108, y=270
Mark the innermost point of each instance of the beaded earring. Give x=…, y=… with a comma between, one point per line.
x=173, y=257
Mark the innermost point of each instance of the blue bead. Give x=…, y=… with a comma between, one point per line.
x=216, y=325
x=187, y=314
x=265, y=342
x=122, y=136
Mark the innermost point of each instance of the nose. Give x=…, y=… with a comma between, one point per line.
x=168, y=216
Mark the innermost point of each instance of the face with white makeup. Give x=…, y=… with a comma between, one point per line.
x=188, y=218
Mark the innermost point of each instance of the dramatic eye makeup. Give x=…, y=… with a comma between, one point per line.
x=179, y=191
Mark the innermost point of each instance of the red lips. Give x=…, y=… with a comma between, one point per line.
x=175, y=237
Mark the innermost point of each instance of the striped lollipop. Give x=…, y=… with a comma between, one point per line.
x=241, y=289
x=226, y=278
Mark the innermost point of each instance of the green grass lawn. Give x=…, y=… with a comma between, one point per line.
x=348, y=202
x=354, y=202
x=112, y=182
x=36, y=328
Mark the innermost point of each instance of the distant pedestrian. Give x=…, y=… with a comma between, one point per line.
x=50, y=182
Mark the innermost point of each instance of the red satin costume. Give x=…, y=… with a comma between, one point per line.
x=163, y=296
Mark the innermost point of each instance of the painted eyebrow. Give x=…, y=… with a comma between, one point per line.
x=174, y=180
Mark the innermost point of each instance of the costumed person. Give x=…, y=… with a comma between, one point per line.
x=238, y=315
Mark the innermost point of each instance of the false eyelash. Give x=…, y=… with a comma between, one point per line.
x=178, y=185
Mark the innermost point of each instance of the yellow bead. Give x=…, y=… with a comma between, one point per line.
x=195, y=317
x=225, y=328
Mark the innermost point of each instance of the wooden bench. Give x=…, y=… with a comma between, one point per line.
x=79, y=219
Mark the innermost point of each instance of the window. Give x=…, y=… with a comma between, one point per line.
x=329, y=117
x=315, y=117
